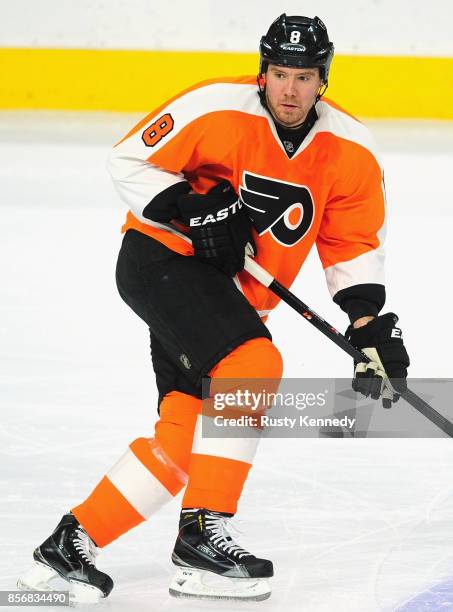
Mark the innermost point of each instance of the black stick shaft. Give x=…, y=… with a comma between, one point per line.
x=312, y=317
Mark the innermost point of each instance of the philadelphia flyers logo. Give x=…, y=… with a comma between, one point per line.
x=286, y=210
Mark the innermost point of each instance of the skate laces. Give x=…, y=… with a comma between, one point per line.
x=220, y=527
x=85, y=546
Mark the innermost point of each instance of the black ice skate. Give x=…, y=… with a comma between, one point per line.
x=211, y=565
x=69, y=553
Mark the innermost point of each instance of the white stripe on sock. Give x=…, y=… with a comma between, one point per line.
x=141, y=489
x=240, y=449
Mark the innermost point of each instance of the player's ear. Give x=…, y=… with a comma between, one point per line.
x=261, y=79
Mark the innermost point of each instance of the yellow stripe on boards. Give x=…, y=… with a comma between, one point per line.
x=393, y=87
x=126, y=80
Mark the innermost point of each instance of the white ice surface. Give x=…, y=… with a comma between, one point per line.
x=356, y=525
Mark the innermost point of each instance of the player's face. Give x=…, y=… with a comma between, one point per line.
x=291, y=92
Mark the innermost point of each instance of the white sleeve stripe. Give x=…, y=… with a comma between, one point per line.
x=364, y=269
x=138, y=182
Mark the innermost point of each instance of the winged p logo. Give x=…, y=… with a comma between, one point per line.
x=286, y=210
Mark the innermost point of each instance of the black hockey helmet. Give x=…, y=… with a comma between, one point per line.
x=299, y=42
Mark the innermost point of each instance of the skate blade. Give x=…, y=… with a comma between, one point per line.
x=39, y=576
x=82, y=593
x=201, y=584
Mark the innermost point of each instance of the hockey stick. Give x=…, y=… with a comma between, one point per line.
x=266, y=279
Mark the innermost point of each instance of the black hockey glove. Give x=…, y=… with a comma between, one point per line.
x=220, y=229
x=385, y=375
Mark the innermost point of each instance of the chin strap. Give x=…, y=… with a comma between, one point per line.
x=321, y=93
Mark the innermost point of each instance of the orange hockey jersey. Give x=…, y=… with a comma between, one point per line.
x=330, y=192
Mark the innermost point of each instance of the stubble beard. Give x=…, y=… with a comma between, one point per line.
x=289, y=120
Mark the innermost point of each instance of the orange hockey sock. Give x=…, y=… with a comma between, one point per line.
x=219, y=466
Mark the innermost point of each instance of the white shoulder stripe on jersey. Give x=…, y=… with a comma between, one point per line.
x=244, y=98
x=194, y=104
x=342, y=125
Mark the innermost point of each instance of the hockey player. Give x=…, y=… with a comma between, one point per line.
x=223, y=169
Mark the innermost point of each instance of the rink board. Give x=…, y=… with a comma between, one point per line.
x=130, y=80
